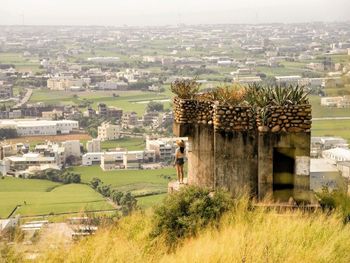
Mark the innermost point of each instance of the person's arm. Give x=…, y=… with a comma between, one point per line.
x=175, y=157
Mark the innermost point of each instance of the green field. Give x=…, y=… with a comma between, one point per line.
x=44, y=197
x=150, y=201
x=127, y=100
x=139, y=182
x=132, y=144
x=319, y=111
x=21, y=63
x=331, y=128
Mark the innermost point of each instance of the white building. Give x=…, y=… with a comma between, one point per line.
x=119, y=160
x=164, y=147
x=337, y=155
x=72, y=148
x=28, y=127
x=287, y=80
x=108, y=131
x=94, y=145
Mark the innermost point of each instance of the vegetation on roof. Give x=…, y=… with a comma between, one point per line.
x=255, y=95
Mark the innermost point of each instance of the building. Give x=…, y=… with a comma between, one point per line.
x=72, y=148
x=324, y=174
x=119, y=160
x=52, y=115
x=338, y=102
x=29, y=127
x=149, y=118
x=129, y=120
x=112, y=85
x=108, y=131
x=21, y=163
x=6, y=91
x=93, y=146
x=287, y=80
x=320, y=144
x=164, y=147
x=232, y=148
x=344, y=168
x=337, y=155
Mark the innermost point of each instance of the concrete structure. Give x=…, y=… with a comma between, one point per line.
x=94, y=145
x=164, y=147
x=231, y=148
x=129, y=120
x=338, y=102
x=27, y=127
x=108, y=132
x=337, y=155
x=324, y=174
x=72, y=148
x=344, y=168
x=287, y=80
x=52, y=115
x=320, y=144
x=20, y=163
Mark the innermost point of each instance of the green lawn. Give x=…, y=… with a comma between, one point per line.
x=331, y=128
x=131, y=144
x=44, y=197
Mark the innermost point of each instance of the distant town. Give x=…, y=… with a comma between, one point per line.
x=93, y=104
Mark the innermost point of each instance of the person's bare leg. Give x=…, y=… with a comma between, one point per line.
x=182, y=173
x=178, y=173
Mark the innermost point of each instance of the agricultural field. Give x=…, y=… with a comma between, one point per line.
x=132, y=144
x=45, y=197
x=138, y=182
x=150, y=201
x=20, y=62
x=127, y=100
x=331, y=128
x=319, y=111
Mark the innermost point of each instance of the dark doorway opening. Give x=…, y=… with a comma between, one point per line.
x=283, y=172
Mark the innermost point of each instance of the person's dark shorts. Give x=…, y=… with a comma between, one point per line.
x=180, y=161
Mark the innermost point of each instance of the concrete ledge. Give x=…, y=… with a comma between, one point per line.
x=176, y=186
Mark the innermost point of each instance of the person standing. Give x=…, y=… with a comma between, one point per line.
x=180, y=160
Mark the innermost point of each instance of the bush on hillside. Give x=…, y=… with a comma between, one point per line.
x=184, y=213
x=335, y=200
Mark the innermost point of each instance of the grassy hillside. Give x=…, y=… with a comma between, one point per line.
x=44, y=197
x=244, y=235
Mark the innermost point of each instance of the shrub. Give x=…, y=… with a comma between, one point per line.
x=232, y=95
x=184, y=213
x=336, y=200
x=185, y=88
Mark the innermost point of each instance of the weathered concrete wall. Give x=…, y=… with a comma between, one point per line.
x=236, y=161
x=300, y=141
x=201, y=156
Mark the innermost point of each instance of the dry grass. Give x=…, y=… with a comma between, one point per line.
x=244, y=236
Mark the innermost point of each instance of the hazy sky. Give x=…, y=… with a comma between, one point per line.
x=162, y=12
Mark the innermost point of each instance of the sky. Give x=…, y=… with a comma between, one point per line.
x=169, y=12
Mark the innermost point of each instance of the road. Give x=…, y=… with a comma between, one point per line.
x=25, y=99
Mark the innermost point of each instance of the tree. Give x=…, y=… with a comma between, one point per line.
x=155, y=106
x=95, y=182
x=128, y=203
x=116, y=196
